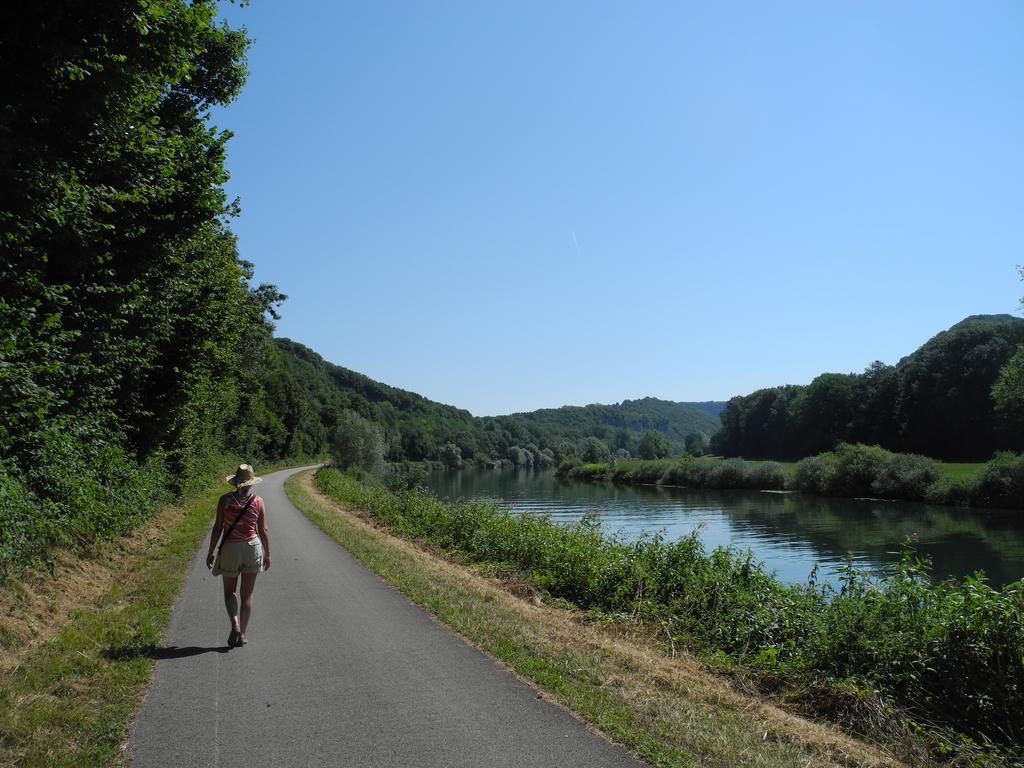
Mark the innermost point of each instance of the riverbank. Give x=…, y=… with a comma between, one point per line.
x=621, y=676
x=851, y=471
x=856, y=654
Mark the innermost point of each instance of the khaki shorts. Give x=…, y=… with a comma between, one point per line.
x=239, y=557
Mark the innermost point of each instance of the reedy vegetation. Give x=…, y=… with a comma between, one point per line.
x=945, y=655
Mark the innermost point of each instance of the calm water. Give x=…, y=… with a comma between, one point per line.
x=790, y=533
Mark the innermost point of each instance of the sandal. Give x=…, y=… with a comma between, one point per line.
x=242, y=639
x=234, y=638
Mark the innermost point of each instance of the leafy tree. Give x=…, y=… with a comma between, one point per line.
x=451, y=456
x=620, y=440
x=132, y=346
x=357, y=443
x=697, y=443
x=520, y=456
x=563, y=450
x=1008, y=393
x=467, y=443
x=112, y=207
x=592, y=450
x=545, y=458
x=653, y=445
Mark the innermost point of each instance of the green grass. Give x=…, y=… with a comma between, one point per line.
x=964, y=472
x=635, y=697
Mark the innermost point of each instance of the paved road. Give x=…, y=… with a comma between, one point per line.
x=340, y=670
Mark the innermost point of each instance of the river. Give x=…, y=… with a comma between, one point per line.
x=790, y=533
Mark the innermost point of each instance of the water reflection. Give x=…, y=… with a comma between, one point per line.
x=791, y=533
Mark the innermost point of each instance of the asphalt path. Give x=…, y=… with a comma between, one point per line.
x=340, y=670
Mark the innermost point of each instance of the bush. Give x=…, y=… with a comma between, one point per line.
x=767, y=475
x=948, y=490
x=854, y=469
x=77, y=491
x=23, y=527
x=867, y=470
x=405, y=476
x=1002, y=482
x=566, y=467
x=905, y=476
x=730, y=473
x=812, y=474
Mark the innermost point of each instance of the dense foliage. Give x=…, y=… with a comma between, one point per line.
x=937, y=402
x=129, y=335
x=313, y=395
x=948, y=654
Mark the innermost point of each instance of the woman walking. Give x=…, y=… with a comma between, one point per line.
x=244, y=548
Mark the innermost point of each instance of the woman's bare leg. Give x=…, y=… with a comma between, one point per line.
x=248, y=585
x=230, y=601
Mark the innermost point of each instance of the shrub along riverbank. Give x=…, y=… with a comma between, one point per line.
x=850, y=471
x=946, y=656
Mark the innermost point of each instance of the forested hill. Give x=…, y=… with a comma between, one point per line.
x=937, y=401
x=983, y=324
x=674, y=420
x=714, y=407
x=313, y=397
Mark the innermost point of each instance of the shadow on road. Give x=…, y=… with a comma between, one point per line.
x=161, y=652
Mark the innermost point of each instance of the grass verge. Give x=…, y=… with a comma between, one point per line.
x=70, y=699
x=664, y=707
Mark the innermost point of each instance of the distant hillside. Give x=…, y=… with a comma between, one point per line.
x=413, y=426
x=986, y=325
x=310, y=394
x=674, y=420
x=936, y=401
x=714, y=407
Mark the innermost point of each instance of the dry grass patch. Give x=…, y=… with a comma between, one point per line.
x=36, y=606
x=669, y=711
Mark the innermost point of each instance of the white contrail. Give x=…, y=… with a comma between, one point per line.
x=576, y=241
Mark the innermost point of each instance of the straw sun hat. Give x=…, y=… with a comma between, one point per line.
x=244, y=476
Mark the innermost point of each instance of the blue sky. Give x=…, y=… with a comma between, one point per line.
x=508, y=206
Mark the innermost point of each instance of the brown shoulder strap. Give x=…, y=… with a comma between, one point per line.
x=224, y=538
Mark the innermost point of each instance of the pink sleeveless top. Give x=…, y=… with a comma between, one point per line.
x=246, y=528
